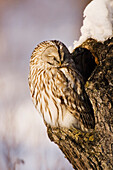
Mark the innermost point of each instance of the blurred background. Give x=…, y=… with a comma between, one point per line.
x=24, y=144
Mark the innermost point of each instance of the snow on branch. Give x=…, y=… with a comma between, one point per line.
x=98, y=21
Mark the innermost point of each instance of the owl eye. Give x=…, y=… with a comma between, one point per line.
x=49, y=63
x=55, y=59
x=50, y=56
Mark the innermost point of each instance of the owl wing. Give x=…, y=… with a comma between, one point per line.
x=70, y=90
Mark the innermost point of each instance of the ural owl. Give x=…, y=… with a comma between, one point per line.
x=57, y=87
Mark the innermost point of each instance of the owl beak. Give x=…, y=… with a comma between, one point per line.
x=60, y=63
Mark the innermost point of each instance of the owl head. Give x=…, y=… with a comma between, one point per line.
x=52, y=53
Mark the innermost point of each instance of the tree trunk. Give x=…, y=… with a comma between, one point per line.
x=92, y=149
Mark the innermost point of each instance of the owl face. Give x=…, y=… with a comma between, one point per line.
x=54, y=54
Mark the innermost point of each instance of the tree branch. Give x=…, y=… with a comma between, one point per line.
x=92, y=149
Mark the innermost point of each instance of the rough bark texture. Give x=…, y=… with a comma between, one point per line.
x=93, y=149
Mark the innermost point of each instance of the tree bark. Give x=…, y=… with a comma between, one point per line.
x=92, y=149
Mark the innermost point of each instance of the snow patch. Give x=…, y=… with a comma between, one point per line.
x=98, y=21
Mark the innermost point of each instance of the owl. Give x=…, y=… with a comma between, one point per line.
x=57, y=87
